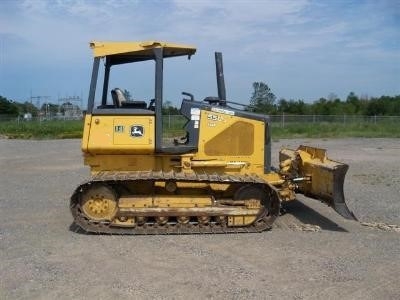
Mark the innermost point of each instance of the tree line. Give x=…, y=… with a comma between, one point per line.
x=264, y=101
x=11, y=108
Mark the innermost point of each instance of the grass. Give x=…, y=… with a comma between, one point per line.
x=42, y=130
x=73, y=129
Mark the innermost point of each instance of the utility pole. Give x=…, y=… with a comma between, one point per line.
x=39, y=99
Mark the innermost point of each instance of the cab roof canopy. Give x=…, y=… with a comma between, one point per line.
x=125, y=52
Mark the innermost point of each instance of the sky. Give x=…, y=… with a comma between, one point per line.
x=302, y=49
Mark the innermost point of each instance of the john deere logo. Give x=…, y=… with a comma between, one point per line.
x=137, y=131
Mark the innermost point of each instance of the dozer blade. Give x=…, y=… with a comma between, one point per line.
x=317, y=176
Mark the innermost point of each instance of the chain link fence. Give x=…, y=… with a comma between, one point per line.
x=284, y=120
x=175, y=123
x=39, y=119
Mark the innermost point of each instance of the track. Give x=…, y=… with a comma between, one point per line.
x=263, y=222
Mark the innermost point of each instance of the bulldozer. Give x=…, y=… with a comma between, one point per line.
x=216, y=178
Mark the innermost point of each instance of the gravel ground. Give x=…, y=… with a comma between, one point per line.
x=312, y=252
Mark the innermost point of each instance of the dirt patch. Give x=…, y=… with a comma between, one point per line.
x=382, y=226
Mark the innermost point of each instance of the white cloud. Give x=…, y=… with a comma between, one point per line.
x=260, y=39
x=235, y=20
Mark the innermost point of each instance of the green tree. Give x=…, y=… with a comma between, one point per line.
x=27, y=107
x=8, y=107
x=353, y=104
x=295, y=107
x=262, y=100
x=384, y=105
x=321, y=107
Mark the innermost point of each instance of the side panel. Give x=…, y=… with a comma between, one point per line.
x=232, y=139
x=121, y=135
x=123, y=162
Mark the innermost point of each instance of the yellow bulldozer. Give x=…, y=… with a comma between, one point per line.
x=217, y=178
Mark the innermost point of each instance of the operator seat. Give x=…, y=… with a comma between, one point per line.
x=118, y=97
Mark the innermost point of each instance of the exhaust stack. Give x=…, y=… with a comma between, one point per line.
x=220, y=78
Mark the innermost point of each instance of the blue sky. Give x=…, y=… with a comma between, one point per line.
x=302, y=49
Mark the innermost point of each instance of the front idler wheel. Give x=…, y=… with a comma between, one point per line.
x=99, y=202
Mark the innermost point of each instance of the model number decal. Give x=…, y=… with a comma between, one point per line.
x=214, y=118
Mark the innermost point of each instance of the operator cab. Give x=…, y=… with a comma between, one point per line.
x=113, y=54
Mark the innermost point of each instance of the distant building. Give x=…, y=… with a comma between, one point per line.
x=27, y=116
